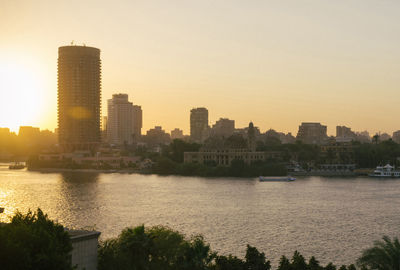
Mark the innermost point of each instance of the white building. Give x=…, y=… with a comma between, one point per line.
x=121, y=121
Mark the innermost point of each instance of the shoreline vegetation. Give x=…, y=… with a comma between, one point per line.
x=46, y=245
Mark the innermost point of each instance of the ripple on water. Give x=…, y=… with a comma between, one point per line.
x=331, y=218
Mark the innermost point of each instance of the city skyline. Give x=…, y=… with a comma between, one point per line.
x=262, y=62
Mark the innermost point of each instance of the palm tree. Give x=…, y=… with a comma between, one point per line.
x=384, y=255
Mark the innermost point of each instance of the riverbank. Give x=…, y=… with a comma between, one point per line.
x=355, y=173
x=59, y=170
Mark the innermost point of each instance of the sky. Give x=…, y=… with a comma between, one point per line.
x=276, y=63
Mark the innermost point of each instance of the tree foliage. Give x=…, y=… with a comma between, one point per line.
x=384, y=255
x=154, y=248
x=33, y=241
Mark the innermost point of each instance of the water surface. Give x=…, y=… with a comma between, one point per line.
x=331, y=218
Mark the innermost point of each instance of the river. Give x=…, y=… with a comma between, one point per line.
x=330, y=218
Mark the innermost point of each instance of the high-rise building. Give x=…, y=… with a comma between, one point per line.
x=312, y=133
x=198, y=124
x=120, y=120
x=79, y=96
x=223, y=127
x=104, y=129
x=137, y=121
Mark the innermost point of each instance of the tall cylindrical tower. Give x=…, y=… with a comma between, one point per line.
x=79, y=98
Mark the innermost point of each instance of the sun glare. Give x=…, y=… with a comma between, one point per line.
x=21, y=95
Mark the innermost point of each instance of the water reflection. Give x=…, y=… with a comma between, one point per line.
x=333, y=219
x=80, y=178
x=79, y=201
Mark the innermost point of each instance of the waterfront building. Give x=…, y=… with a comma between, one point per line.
x=396, y=136
x=223, y=127
x=79, y=94
x=121, y=120
x=225, y=156
x=199, y=124
x=312, y=133
x=222, y=151
x=177, y=134
x=335, y=152
x=157, y=136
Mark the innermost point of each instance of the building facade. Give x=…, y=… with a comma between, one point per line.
x=223, y=127
x=396, y=136
x=79, y=98
x=312, y=133
x=198, y=124
x=137, y=121
x=177, y=134
x=84, y=249
x=121, y=120
x=157, y=136
x=224, y=157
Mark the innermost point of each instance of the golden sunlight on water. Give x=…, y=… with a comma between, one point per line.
x=331, y=218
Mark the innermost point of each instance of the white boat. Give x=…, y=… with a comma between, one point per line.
x=386, y=171
x=276, y=179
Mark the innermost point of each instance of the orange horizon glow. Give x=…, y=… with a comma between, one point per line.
x=274, y=63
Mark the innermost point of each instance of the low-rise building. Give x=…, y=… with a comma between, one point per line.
x=224, y=157
x=396, y=136
x=177, y=134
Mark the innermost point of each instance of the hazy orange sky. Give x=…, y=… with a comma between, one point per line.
x=276, y=63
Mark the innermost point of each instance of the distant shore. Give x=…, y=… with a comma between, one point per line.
x=58, y=170
x=359, y=172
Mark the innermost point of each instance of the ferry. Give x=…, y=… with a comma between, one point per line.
x=16, y=166
x=386, y=171
x=276, y=179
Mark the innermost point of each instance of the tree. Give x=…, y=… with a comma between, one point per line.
x=256, y=260
x=313, y=264
x=33, y=241
x=298, y=261
x=384, y=255
x=154, y=248
x=330, y=266
x=228, y=263
x=177, y=148
x=284, y=264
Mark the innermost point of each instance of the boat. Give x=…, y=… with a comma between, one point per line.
x=16, y=166
x=276, y=179
x=386, y=171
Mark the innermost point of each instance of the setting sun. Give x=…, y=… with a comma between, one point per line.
x=22, y=98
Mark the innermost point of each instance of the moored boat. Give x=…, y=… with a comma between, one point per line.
x=16, y=166
x=276, y=179
x=386, y=171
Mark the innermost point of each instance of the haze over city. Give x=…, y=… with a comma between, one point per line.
x=276, y=63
